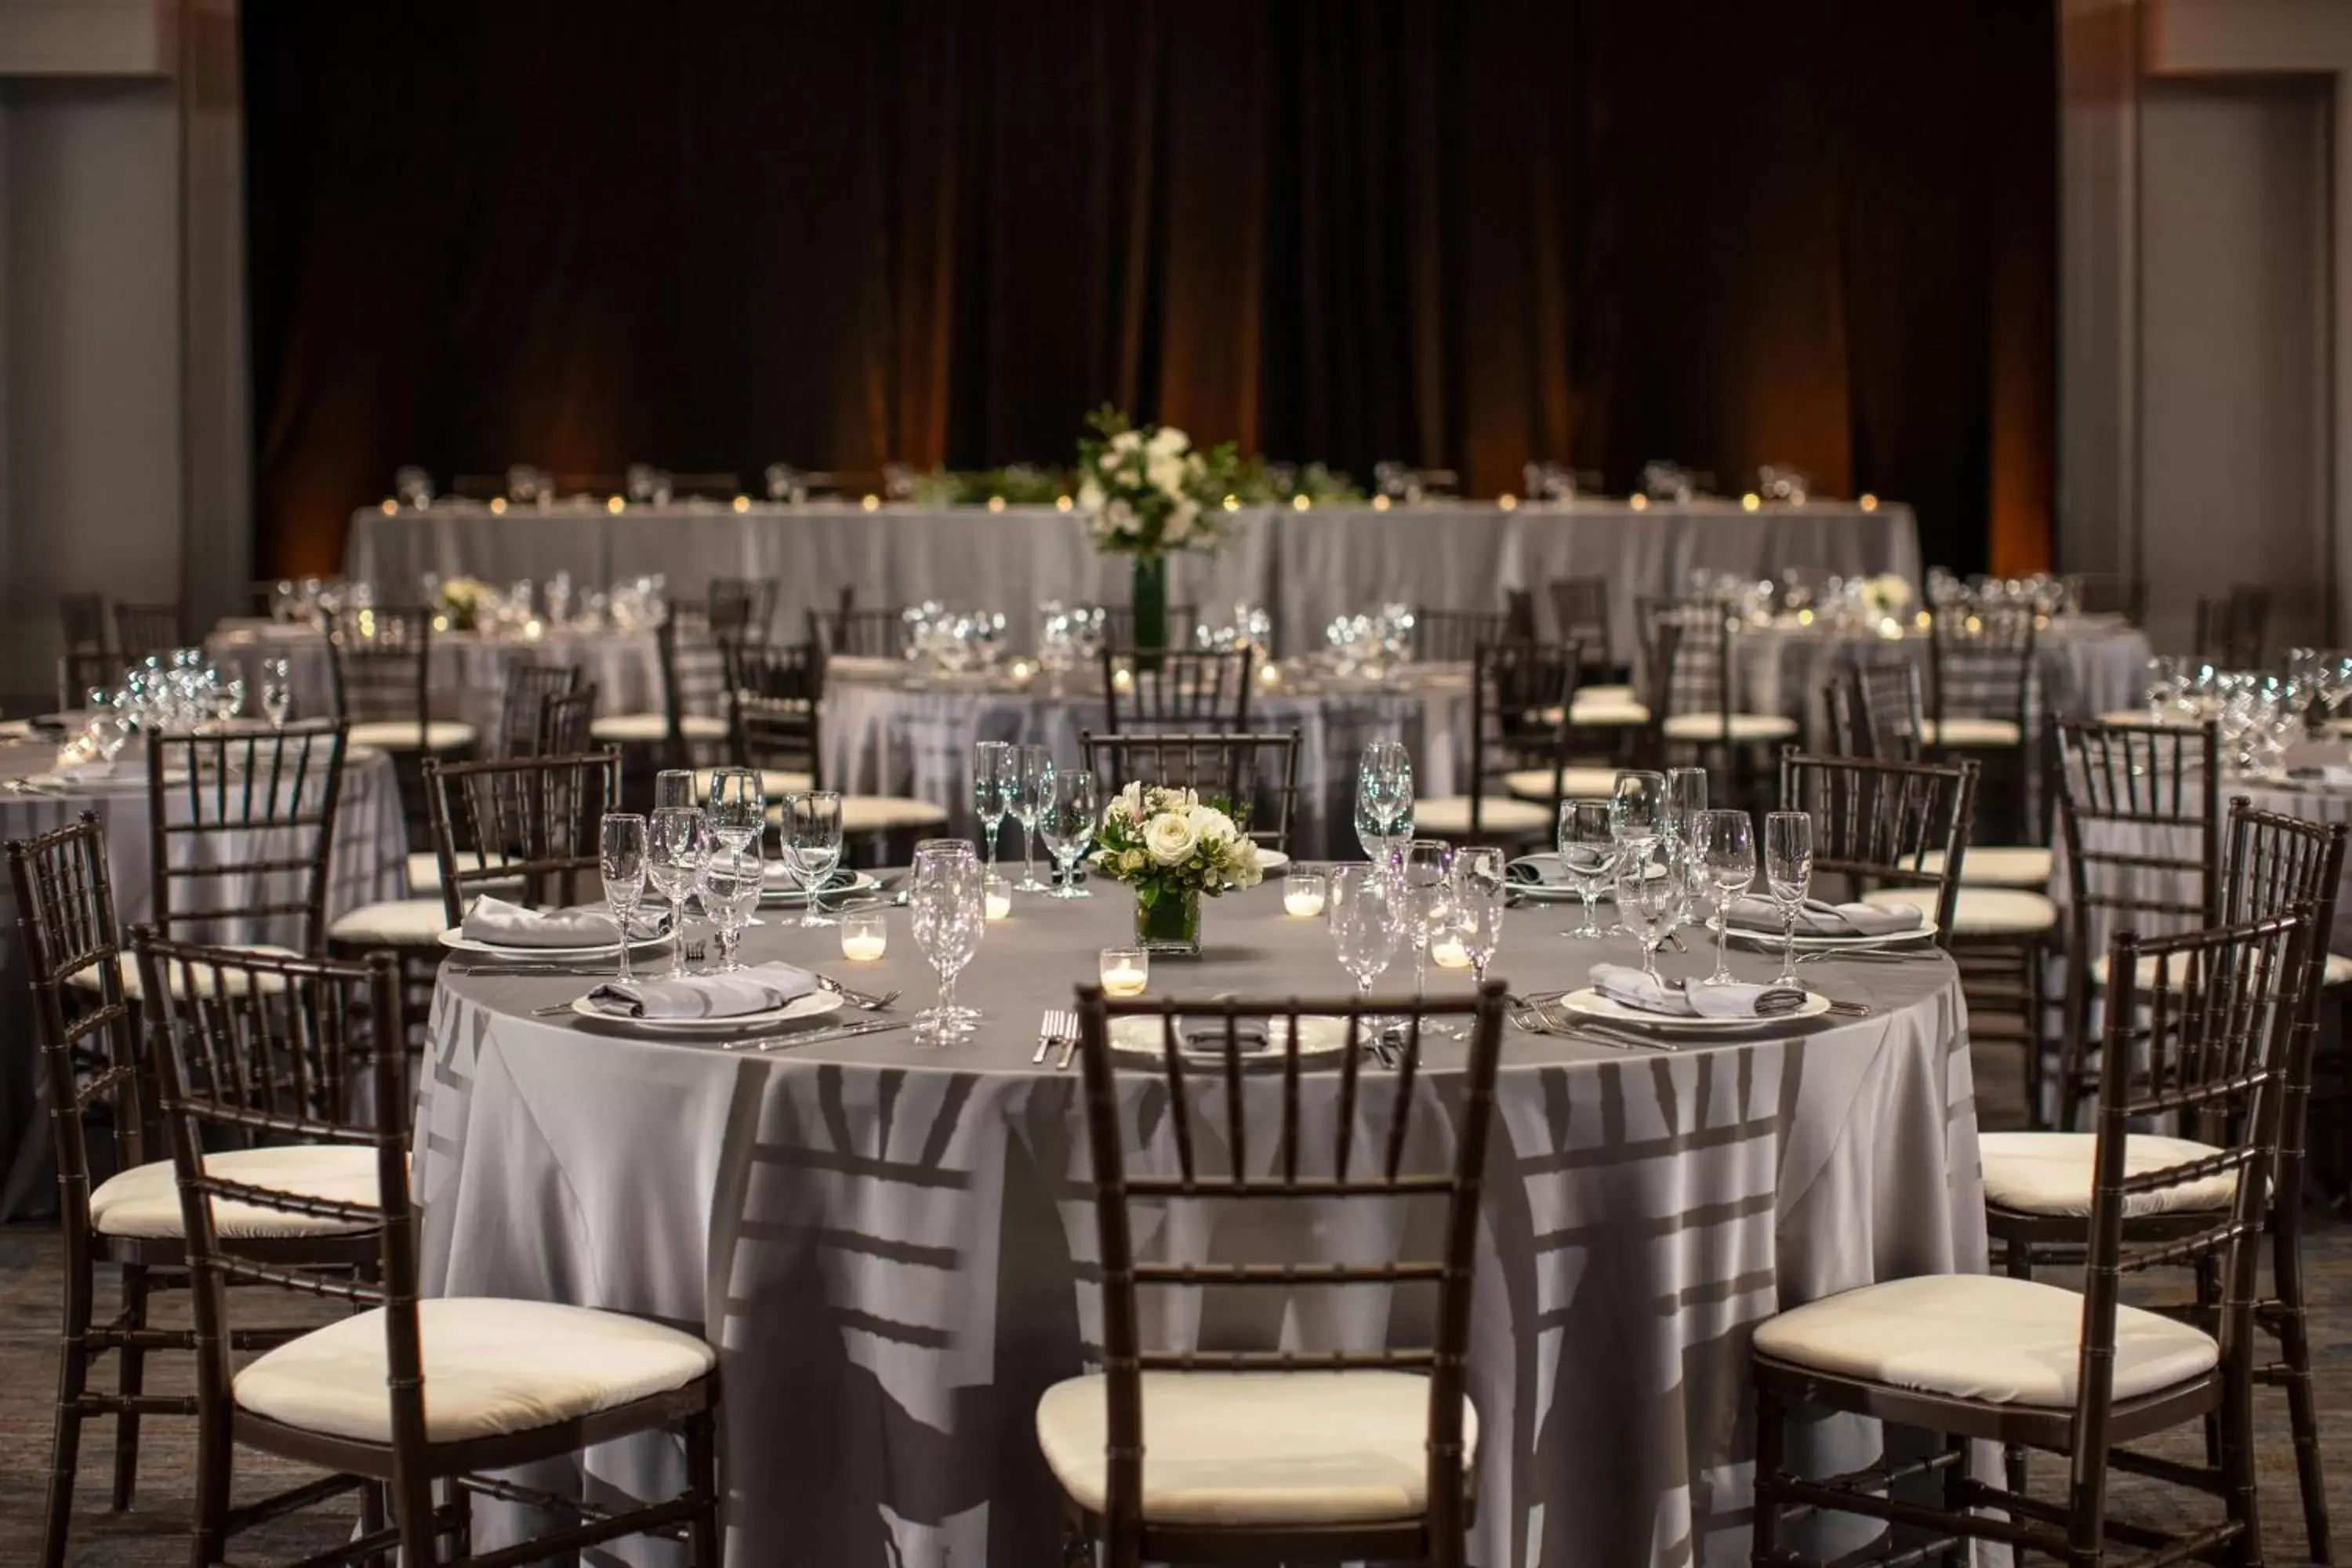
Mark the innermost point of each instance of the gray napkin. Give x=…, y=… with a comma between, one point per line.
x=502, y=924
x=1249, y=1035
x=759, y=989
x=1678, y=999
x=1537, y=871
x=1819, y=918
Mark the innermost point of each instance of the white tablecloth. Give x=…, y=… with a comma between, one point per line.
x=1308, y=566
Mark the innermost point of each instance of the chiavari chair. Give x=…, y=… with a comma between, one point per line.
x=859, y=634
x=1519, y=615
x=1842, y=711
x=1579, y=613
x=1520, y=697
x=776, y=708
x=2031, y=1365
x=1237, y=1455
x=1259, y=772
x=407, y=1397
x=522, y=705
x=380, y=667
x=1875, y=824
x=1455, y=636
x=691, y=721
x=115, y=1204
x=1691, y=693
x=142, y=629
x=526, y=829
x=566, y=724
x=1191, y=688
x=1892, y=719
x=1118, y=624
x=1984, y=698
x=741, y=608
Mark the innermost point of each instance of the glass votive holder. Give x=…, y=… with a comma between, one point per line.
x=998, y=893
x=863, y=937
x=1446, y=952
x=1304, y=892
x=1125, y=970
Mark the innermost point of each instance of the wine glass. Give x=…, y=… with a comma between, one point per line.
x=277, y=691
x=621, y=860
x=811, y=836
x=1067, y=827
x=1365, y=923
x=1475, y=906
x=732, y=879
x=1637, y=806
x=1383, y=796
x=680, y=841
x=1650, y=893
x=1588, y=849
x=946, y=906
x=738, y=808
x=674, y=787
x=1723, y=862
x=994, y=779
x=1032, y=792
x=1789, y=878
x=1427, y=866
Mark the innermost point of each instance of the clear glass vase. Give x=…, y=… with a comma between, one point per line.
x=1170, y=925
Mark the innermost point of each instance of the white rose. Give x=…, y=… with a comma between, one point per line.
x=1118, y=514
x=1130, y=801
x=1167, y=440
x=1127, y=441
x=1181, y=520
x=1165, y=473
x=1171, y=839
x=1213, y=825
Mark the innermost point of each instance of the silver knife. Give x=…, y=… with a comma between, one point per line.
x=846, y=1032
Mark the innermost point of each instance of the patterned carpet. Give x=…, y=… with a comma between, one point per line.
x=152, y=1534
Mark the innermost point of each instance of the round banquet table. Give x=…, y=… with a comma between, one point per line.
x=892, y=1245
x=367, y=863
x=887, y=731
x=468, y=677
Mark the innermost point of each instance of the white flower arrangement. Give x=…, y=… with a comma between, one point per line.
x=1171, y=841
x=462, y=599
x=1147, y=491
x=1888, y=594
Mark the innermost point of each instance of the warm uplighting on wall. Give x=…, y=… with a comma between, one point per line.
x=497, y=506
x=871, y=502
x=615, y=504
x=1869, y=503
x=743, y=503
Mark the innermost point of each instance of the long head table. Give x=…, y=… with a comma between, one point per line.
x=1308, y=566
x=892, y=1244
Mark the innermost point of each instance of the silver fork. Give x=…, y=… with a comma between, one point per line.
x=1045, y=1037
x=864, y=999
x=1067, y=1032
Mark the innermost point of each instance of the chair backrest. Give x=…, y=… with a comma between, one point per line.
x=693, y=670
x=1892, y=709
x=774, y=696
x=1687, y=660
x=565, y=722
x=241, y=829
x=1520, y=694
x=1118, y=624
x=1519, y=615
x=2213, y=1054
x=536, y=821
x=381, y=663
x=1455, y=636
x=82, y=618
x=860, y=634
x=1579, y=613
x=1182, y=687
x=65, y=912
x=1259, y=772
x=1235, y=1157
x=2230, y=630
x=1981, y=664
x=1876, y=824
x=2140, y=820
x=142, y=629
x=522, y=706
x=1842, y=707
x=742, y=606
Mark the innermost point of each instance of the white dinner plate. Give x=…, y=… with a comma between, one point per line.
x=1320, y=1034
x=1608, y=1010
x=815, y=1005
x=456, y=941
x=1272, y=860
x=1921, y=933
x=783, y=890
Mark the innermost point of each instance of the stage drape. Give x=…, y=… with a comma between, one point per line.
x=581, y=233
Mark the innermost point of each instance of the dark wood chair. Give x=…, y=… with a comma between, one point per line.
x=1396, y=1408
x=690, y=727
x=380, y=667
x=116, y=1203
x=741, y=608
x=567, y=722
x=143, y=629
x=528, y=829
x=1118, y=624
x=1842, y=710
x=1984, y=699
x=1520, y=694
x=443, y=1421
x=1455, y=636
x=1259, y=772
x=1893, y=709
x=522, y=706
x=2030, y=1366
x=1579, y=613
x=1876, y=825
x=776, y=708
x=860, y=634
x=1692, y=695
x=2231, y=629
x=1183, y=689
x=82, y=671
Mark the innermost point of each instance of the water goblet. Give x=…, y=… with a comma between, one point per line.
x=679, y=840
x=621, y=861
x=811, y=836
x=1637, y=806
x=1384, y=789
x=995, y=778
x=1789, y=878
x=736, y=807
x=1033, y=793
x=1588, y=849
x=1474, y=908
x=674, y=787
x=1068, y=827
x=945, y=907
x=732, y=879
x=1650, y=895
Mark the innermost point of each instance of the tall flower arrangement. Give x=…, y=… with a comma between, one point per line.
x=1147, y=491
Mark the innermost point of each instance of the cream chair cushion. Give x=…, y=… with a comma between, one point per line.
x=491, y=1366
x=1979, y=911
x=397, y=923
x=1962, y=729
x=1576, y=784
x=1981, y=1337
x=1996, y=866
x=15, y=729
x=1745, y=727
x=400, y=735
x=773, y=781
x=270, y=985
x=2050, y=1174
x=2170, y=721
x=878, y=814
x=1240, y=1448
x=144, y=1201
x=1497, y=813
x=1606, y=693
x=2151, y=968
x=643, y=729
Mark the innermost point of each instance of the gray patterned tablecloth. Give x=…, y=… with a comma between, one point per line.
x=1308, y=566
x=367, y=864
x=892, y=1245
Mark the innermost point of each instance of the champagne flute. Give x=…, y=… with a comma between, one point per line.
x=994, y=779
x=1068, y=828
x=1033, y=793
x=946, y=904
x=621, y=860
x=680, y=841
x=1474, y=913
x=732, y=879
x=1685, y=798
x=1789, y=878
x=1427, y=865
x=811, y=836
x=1588, y=849
x=1724, y=861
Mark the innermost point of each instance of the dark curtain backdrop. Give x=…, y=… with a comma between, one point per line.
x=581, y=233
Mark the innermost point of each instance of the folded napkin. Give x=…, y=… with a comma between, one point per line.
x=1675, y=999
x=502, y=924
x=1537, y=871
x=759, y=989
x=1819, y=918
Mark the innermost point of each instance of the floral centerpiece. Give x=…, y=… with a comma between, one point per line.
x=1147, y=491
x=1887, y=593
x=461, y=601
x=1173, y=849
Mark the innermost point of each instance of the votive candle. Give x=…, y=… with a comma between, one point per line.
x=1125, y=970
x=1447, y=952
x=863, y=937
x=1303, y=893
x=998, y=895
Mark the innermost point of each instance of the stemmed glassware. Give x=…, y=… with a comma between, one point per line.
x=680, y=843
x=1789, y=878
x=995, y=778
x=1650, y=895
x=621, y=860
x=733, y=878
x=1722, y=864
x=1638, y=808
x=1588, y=849
x=738, y=808
x=1427, y=865
x=674, y=787
x=947, y=914
x=1366, y=923
x=1067, y=825
x=811, y=838
x=1032, y=792
x=1475, y=906
x=1384, y=800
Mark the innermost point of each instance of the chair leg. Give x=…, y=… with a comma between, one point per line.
x=2238, y=1493
x=412, y=1509
x=371, y=1516
x=73, y=1382
x=2303, y=1412
x=460, y=1533
x=2037, y=1039
x=132, y=1380
x=216, y=1454
x=704, y=1543
x=2019, y=1260
x=1771, y=1437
